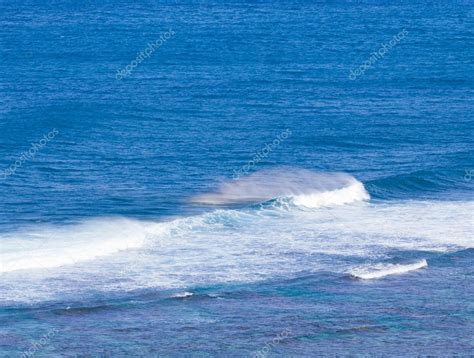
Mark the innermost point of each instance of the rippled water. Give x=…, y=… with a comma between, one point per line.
x=237, y=193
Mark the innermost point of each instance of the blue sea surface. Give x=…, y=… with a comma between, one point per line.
x=241, y=179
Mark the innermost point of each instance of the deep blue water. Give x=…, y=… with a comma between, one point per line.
x=128, y=233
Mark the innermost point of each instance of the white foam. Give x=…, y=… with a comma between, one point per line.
x=352, y=193
x=47, y=247
x=222, y=246
x=305, y=188
x=183, y=294
x=382, y=270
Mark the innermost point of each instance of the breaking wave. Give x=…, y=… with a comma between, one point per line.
x=302, y=187
x=382, y=270
x=247, y=244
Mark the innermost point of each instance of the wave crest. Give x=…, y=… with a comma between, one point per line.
x=379, y=271
x=303, y=187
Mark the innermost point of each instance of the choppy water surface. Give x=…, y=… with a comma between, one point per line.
x=238, y=192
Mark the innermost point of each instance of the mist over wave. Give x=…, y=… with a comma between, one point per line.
x=303, y=187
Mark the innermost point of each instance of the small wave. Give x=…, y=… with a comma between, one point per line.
x=302, y=187
x=182, y=295
x=382, y=270
x=417, y=183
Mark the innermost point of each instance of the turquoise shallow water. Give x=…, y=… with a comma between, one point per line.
x=126, y=231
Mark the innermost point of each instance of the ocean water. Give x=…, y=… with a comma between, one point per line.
x=251, y=179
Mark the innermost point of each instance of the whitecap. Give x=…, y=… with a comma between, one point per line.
x=382, y=270
x=303, y=187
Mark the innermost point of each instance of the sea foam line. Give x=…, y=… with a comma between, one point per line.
x=381, y=270
x=55, y=247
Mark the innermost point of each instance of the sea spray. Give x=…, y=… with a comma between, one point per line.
x=305, y=187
